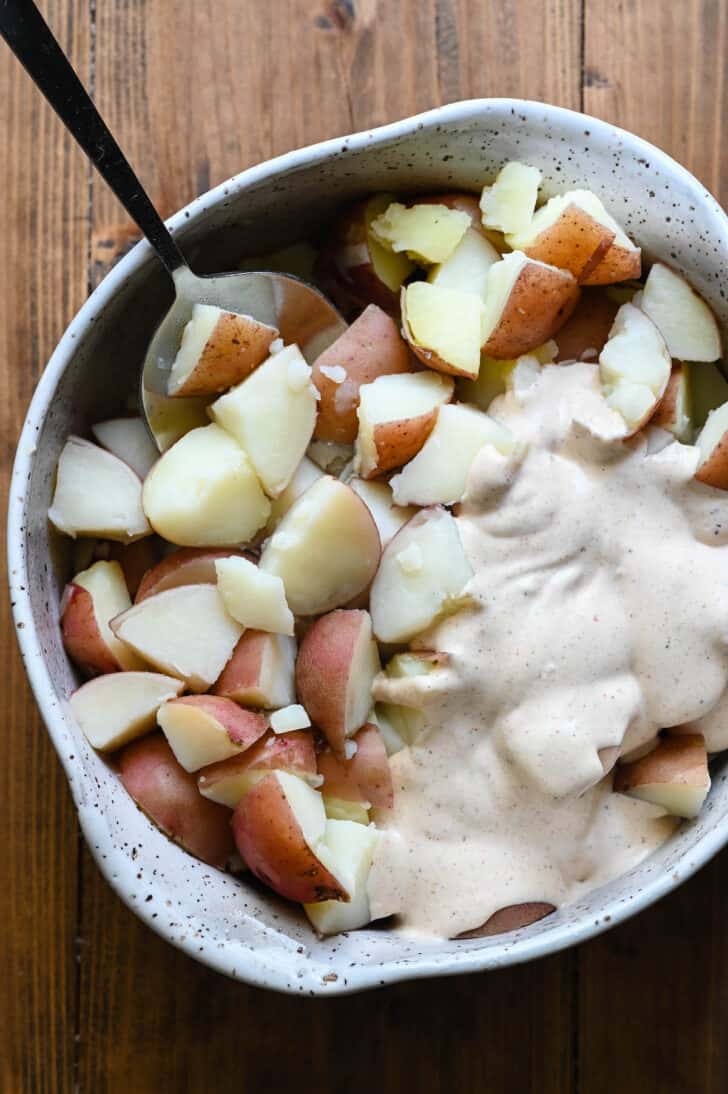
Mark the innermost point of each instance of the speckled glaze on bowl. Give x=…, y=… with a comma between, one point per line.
x=222, y=922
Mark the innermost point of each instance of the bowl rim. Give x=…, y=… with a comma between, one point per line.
x=518, y=946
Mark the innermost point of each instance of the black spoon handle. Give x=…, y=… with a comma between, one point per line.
x=28, y=35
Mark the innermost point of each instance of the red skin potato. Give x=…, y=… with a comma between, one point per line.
x=269, y=839
x=323, y=670
x=82, y=637
x=293, y=752
x=185, y=566
x=366, y=777
x=243, y=727
x=169, y=797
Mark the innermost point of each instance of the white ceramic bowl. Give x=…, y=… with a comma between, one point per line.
x=229, y=926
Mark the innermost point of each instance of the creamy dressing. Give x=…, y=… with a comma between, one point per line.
x=599, y=616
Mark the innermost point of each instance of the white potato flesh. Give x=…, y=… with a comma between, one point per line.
x=339, y=809
x=682, y=317
x=712, y=432
x=290, y=718
x=351, y=848
x=97, y=494
x=549, y=213
x=447, y=321
x=114, y=709
x=203, y=492
x=427, y=233
x=130, y=440
x=633, y=401
x=467, y=267
x=252, y=596
x=421, y=577
x=502, y=277
x=394, y=742
x=307, y=807
x=634, y=364
x=304, y=476
x=195, y=337
x=185, y=632
x=677, y=799
x=388, y=517
x=271, y=414
x=488, y=384
x=509, y=203
x=106, y=583
x=325, y=550
x=196, y=736
x=439, y=472
x=392, y=399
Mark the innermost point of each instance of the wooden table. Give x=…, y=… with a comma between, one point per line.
x=92, y=1001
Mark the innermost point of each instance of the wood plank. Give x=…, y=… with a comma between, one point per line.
x=653, y=993
x=44, y=229
x=150, y=1018
x=155, y=1020
x=659, y=70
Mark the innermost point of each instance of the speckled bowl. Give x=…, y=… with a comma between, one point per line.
x=216, y=919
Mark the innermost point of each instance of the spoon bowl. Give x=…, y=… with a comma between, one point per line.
x=300, y=313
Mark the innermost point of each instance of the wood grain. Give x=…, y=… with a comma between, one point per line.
x=653, y=993
x=660, y=70
x=44, y=231
x=196, y=91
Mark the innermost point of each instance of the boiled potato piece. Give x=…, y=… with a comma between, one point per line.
x=396, y=415
x=279, y=828
x=509, y=203
x=203, y=492
x=130, y=440
x=253, y=597
x=90, y=600
x=421, y=577
x=326, y=549
x=443, y=327
x=635, y=366
x=674, y=410
x=674, y=775
x=712, y=441
x=184, y=632
x=438, y=474
x=427, y=233
x=352, y=848
x=567, y=231
x=114, y=709
x=97, y=494
x=272, y=415
x=526, y=303
x=218, y=349
x=388, y=517
x=467, y=267
x=372, y=346
x=682, y=317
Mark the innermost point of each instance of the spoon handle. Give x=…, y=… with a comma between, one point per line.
x=28, y=35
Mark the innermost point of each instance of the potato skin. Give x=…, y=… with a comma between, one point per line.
x=271, y=843
x=371, y=347
x=237, y=345
x=576, y=242
x=168, y=795
x=679, y=759
x=618, y=264
x=510, y=919
x=539, y=304
x=397, y=443
x=588, y=326
x=82, y=638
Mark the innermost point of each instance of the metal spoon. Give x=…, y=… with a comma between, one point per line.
x=301, y=313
